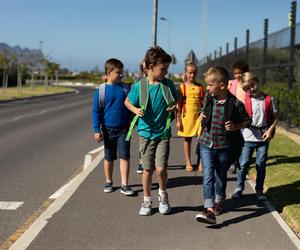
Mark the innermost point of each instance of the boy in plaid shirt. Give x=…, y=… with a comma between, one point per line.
x=223, y=117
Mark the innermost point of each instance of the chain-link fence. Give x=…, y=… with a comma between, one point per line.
x=276, y=60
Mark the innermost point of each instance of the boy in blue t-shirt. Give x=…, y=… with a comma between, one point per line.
x=111, y=123
x=152, y=124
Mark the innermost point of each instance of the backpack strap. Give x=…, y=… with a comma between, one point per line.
x=143, y=101
x=144, y=93
x=233, y=87
x=248, y=104
x=267, y=108
x=167, y=94
x=101, y=89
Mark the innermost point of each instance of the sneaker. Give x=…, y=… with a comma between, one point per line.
x=108, y=188
x=218, y=208
x=232, y=169
x=260, y=196
x=206, y=217
x=125, y=189
x=237, y=194
x=146, y=209
x=164, y=206
x=140, y=169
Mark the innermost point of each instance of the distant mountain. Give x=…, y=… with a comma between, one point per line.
x=31, y=57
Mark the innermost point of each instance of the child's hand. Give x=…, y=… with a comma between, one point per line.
x=98, y=137
x=267, y=136
x=202, y=116
x=171, y=109
x=230, y=126
x=139, y=112
x=179, y=125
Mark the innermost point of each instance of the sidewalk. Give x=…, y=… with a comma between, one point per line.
x=92, y=219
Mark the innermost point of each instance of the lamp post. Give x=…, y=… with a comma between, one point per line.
x=169, y=33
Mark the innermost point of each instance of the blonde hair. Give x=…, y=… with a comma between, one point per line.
x=187, y=65
x=247, y=79
x=221, y=74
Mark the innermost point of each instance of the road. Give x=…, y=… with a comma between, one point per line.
x=51, y=148
x=43, y=142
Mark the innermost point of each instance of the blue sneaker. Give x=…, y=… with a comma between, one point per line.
x=237, y=194
x=261, y=196
x=164, y=206
x=140, y=169
x=125, y=189
x=108, y=188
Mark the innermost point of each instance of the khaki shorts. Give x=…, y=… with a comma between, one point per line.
x=154, y=153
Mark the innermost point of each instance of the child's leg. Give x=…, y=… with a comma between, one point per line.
x=222, y=164
x=245, y=160
x=261, y=159
x=124, y=155
x=147, y=182
x=187, y=152
x=147, y=150
x=124, y=171
x=162, y=176
x=208, y=163
x=108, y=170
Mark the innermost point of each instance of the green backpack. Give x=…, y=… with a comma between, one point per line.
x=143, y=101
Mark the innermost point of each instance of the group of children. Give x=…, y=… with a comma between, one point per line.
x=232, y=120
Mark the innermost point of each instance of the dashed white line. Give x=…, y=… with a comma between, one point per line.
x=63, y=195
x=10, y=205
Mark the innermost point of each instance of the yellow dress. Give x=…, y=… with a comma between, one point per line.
x=193, y=104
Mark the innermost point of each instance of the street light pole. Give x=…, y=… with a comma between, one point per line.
x=169, y=33
x=154, y=25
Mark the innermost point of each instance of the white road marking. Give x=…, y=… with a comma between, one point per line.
x=32, y=232
x=10, y=205
x=17, y=118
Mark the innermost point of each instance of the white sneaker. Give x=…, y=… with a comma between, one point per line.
x=164, y=206
x=146, y=208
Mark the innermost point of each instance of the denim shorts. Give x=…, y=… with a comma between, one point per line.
x=154, y=153
x=115, y=144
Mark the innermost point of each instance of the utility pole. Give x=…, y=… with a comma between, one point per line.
x=154, y=26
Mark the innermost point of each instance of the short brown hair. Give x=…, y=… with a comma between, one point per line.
x=220, y=72
x=112, y=64
x=156, y=55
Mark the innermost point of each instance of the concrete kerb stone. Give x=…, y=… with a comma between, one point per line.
x=90, y=156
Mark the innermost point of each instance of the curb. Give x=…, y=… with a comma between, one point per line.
x=38, y=96
x=282, y=223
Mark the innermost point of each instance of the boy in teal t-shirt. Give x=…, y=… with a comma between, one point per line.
x=154, y=139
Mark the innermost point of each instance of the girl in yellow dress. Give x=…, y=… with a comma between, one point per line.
x=191, y=96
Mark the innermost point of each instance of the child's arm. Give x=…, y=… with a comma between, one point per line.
x=268, y=135
x=97, y=117
x=133, y=109
x=245, y=120
x=178, y=116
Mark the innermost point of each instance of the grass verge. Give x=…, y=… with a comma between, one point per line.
x=282, y=183
x=27, y=91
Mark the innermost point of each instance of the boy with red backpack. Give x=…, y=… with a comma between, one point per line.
x=261, y=108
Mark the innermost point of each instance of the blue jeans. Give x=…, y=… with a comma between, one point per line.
x=115, y=144
x=245, y=160
x=215, y=163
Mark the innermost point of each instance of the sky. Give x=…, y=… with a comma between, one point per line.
x=83, y=34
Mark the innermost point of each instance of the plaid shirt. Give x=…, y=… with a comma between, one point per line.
x=217, y=136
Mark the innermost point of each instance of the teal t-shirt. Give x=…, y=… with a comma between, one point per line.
x=153, y=123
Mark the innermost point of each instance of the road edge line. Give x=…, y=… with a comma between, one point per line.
x=32, y=232
x=282, y=223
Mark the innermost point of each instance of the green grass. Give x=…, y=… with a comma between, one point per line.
x=27, y=91
x=282, y=183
